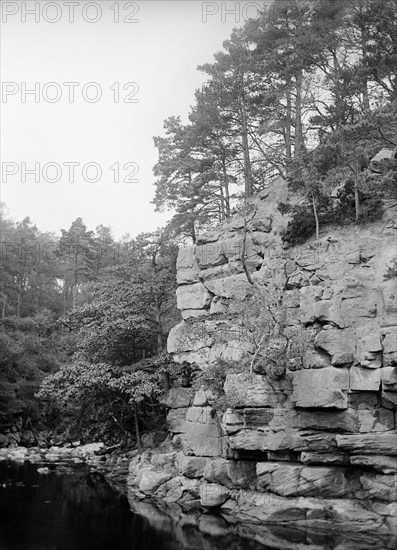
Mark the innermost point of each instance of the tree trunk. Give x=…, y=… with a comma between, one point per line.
x=159, y=326
x=160, y=339
x=193, y=233
x=316, y=217
x=339, y=103
x=364, y=40
x=75, y=282
x=29, y=424
x=3, y=311
x=65, y=294
x=356, y=195
x=19, y=299
x=298, y=116
x=166, y=382
x=222, y=210
x=74, y=296
x=366, y=104
x=226, y=186
x=288, y=124
x=137, y=433
x=249, y=191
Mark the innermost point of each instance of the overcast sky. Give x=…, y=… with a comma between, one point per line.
x=159, y=53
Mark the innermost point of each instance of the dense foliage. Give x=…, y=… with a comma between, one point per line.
x=85, y=318
x=307, y=90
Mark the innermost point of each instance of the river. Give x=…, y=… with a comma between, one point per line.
x=71, y=508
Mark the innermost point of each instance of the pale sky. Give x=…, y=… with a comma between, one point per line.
x=159, y=53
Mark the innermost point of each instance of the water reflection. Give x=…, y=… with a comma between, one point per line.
x=72, y=511
x=192, y=532
x=71, y=508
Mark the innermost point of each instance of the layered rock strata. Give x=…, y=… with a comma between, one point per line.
x=318, y=445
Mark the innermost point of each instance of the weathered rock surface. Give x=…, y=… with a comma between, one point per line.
x=187, y=266
x=318, y=445
x=148, y=480
x=321, y=388
x=202, y=433
x=178, y=397
x=176, y=420
x=194, y=296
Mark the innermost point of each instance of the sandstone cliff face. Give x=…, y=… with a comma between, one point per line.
x=319, y=443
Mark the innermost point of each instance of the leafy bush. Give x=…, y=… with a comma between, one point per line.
x=98, y=400
x=389, y=184
x=301, y=227
x=371, y=206
x=213, y=379
x=371, y=210
x=391, y=270
x=344, y=210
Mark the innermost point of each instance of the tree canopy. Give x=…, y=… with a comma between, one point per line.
x=304, y=75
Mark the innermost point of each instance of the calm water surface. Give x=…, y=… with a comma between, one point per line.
x=68, y=510
x=73, y=509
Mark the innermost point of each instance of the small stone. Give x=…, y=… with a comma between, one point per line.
x=177, y=398
x=149, y=480
x=232, y=421
x=389, y=400
x=342, y=359
x=191, y=466
x=200, y=399
x=218, y=305
x=362, y=379
x=389, y=344
x=212, y=495
x=389, y=378
x=231, y=473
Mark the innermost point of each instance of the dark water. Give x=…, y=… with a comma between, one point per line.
x=72, y=510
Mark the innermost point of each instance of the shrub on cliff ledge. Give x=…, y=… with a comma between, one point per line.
x=213, y=379
x=301, y=227
x=391, y=271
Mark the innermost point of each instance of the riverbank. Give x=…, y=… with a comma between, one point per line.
x=180, y=503
x=55, y=454
x=214, y=495
x=113, y=464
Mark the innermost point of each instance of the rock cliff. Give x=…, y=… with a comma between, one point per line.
x=318, y=445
